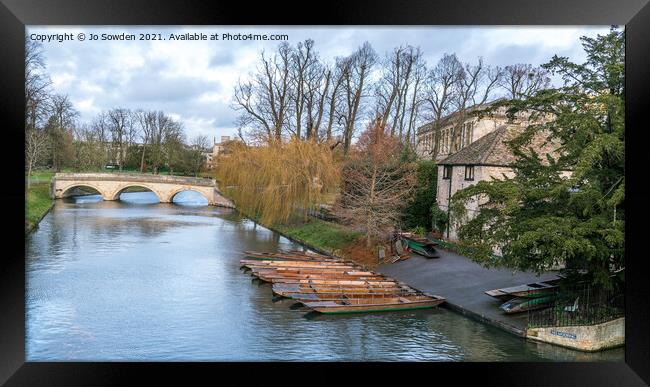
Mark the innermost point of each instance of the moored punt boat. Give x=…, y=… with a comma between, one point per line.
x=284, y=262
x=356, y=305
x=531, y=290
x=301, y=274
x=345, y=272
x=290, y=264
x=347, y=295
x=285, y=290
x=291, y=254
x=312, y=277
x=522, y=304
x=420, y=245
x=290, y=258
x=321, y=269
x=337, y=282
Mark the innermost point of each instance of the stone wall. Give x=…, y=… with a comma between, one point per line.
x=585, y=337
x=458, y=182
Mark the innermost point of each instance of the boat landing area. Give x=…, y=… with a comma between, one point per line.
x=462, y=282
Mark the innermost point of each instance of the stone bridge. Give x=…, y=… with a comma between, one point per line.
x=111, y=185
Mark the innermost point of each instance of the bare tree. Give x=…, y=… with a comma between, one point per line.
x=36, y=146
x=439, y=93
x=523, y=80
x=317, y=84
x=356, y=69
x=146, y=121
x=337, y=75
x=474, y=87
x=198, y=147
x=120, y=125
x=37, y=84
x=418, y=77
x=263, y=100
x=388, y=87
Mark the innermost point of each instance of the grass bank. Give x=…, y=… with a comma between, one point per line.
x=37, y=204
x=327, y=236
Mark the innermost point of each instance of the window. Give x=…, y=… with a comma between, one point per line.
x=446, y=172
x=469, y=172
x=468, y=133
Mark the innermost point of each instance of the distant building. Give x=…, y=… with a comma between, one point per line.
x=217, y=148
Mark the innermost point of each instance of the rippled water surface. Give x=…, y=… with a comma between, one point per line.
x=139, y=280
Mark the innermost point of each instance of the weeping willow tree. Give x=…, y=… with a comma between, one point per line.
x=274, y=181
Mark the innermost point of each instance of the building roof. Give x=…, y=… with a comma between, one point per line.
x=445, y=120
x=493, y=149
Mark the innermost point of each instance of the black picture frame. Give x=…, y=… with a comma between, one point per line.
x=16, y=14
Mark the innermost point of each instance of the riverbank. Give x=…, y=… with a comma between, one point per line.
x=37, y=204
x=324, y=237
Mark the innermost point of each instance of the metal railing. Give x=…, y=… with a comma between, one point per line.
x=581, y=304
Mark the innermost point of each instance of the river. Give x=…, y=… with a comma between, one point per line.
x=139, y=280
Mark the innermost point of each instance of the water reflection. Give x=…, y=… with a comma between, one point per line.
x=190, y=198
x=118, y=280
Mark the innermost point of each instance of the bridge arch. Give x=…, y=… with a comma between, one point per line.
x=122, y=187
x=67, y=188
x=193, y=189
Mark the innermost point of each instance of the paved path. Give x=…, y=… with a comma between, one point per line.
x=462, y=282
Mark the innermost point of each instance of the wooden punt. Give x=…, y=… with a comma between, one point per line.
x=333, y=276
x=275, y=264
x=291, y=254
x=536, y=289
x=346, y=295
x=290, y=258
x=285, y=265
x=337, y=282
x=293, y=263
x=294, y=280
x=297, y=264
x=522, y=304
x=285, y=269
x=284, y=290
x=332, y=272
x=357, y=305
x=302, y=269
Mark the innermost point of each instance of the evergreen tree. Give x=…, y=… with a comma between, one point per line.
x=568, y=208
x=418, y=211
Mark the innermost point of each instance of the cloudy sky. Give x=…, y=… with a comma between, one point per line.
x=194, y=80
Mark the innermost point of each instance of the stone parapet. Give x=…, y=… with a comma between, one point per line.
x=584, y=337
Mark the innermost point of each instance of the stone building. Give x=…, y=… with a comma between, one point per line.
x=437, y=140
x=217, y=148
x=487, y=158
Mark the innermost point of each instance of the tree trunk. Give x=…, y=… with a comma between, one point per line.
x=142, y=159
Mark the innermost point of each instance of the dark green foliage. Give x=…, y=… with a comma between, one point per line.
x=541, y=217
x=419, y=210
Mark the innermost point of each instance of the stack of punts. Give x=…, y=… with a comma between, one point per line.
x=331, y=285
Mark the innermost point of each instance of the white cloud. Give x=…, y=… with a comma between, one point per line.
x=194, y=80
